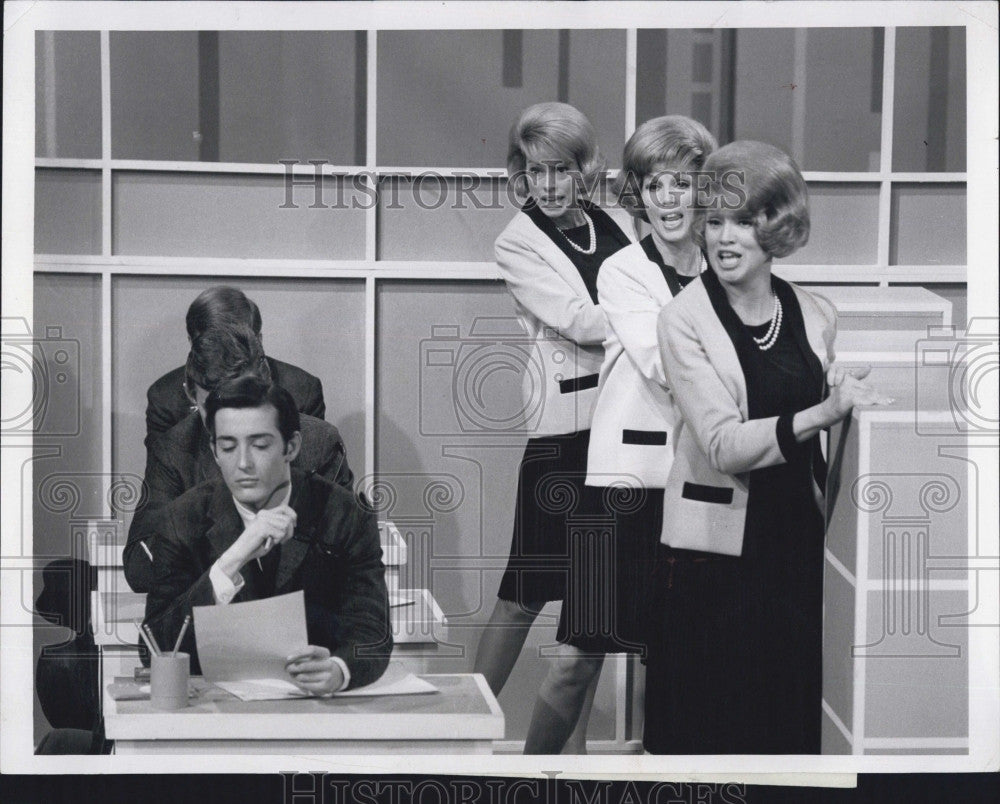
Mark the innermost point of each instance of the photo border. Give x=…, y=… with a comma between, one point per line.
x=22, y=19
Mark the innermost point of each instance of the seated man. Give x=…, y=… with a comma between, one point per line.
x=182, y=457
x=267, y=529
x=166, y=402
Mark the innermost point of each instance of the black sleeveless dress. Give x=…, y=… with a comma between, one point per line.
x=551, y=495
x=736, y=662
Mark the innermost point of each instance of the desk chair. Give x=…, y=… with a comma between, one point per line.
x=67, y=675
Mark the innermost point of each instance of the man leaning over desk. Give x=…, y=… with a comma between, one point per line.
x=168, y=401
x=266, y=529
x=182, y=457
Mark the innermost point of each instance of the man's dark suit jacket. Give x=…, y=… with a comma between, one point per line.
x=182, y=458
x=334, y=558
x=166, y=404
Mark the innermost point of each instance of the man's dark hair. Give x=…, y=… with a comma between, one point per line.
x=224, y=353
x=252, y=392
x=221, y=305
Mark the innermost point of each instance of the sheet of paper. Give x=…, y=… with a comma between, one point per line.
x=394, y=681
x=262, y=689
x=250, y=642
x=242, y=648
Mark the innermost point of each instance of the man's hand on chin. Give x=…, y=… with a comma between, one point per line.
x=271, y=526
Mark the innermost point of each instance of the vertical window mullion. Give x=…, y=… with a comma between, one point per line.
x=106, y=222
x=631, y=65
x=106, y=278
x=371, y=249
x=371, y=357
x=107, y=460
x=885, y=155
x=371, y=157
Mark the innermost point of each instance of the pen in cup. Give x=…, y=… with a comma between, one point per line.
x=147, y=637
x=180, y=636
x=152, y=639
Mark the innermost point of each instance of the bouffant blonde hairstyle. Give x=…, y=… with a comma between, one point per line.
x=672, y=141
x=553, y=131
x=765, y=184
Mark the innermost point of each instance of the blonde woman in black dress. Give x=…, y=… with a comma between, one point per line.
x=605, y=610
x=549, y=256
x=736, y=644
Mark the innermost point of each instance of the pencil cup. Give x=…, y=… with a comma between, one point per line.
x=168, y=680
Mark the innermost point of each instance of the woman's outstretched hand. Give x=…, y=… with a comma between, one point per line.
x=836, y=373
x=848, y=391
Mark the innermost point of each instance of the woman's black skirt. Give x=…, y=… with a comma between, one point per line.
x=551, y=498
x=736, y=642
x=607, y=605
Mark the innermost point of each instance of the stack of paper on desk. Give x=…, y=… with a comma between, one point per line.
x=243, y=648
x=262, y=689
x=394, y=681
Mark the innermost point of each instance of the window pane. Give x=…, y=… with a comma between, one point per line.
x=67, y=476
x=928, y=224
x=68, y=94
x=239, y=96
x=292, y=95
x=67, y=211
x=448, y=98
x=233, y=215
x=928, y=131
x=454, y=484
x=154, y=95
x=431, y=218
x=816, y=93
x=686, y=71
x=67, y=347
x=844, y=226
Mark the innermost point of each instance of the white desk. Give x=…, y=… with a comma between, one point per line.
x=883, y=324
x=463, y=717
x=898, y=582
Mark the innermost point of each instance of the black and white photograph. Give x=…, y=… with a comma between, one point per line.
x=604, y=389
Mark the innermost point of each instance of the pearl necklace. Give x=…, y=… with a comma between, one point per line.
x=771, y=336
x=592, y=238
x=702, y=265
